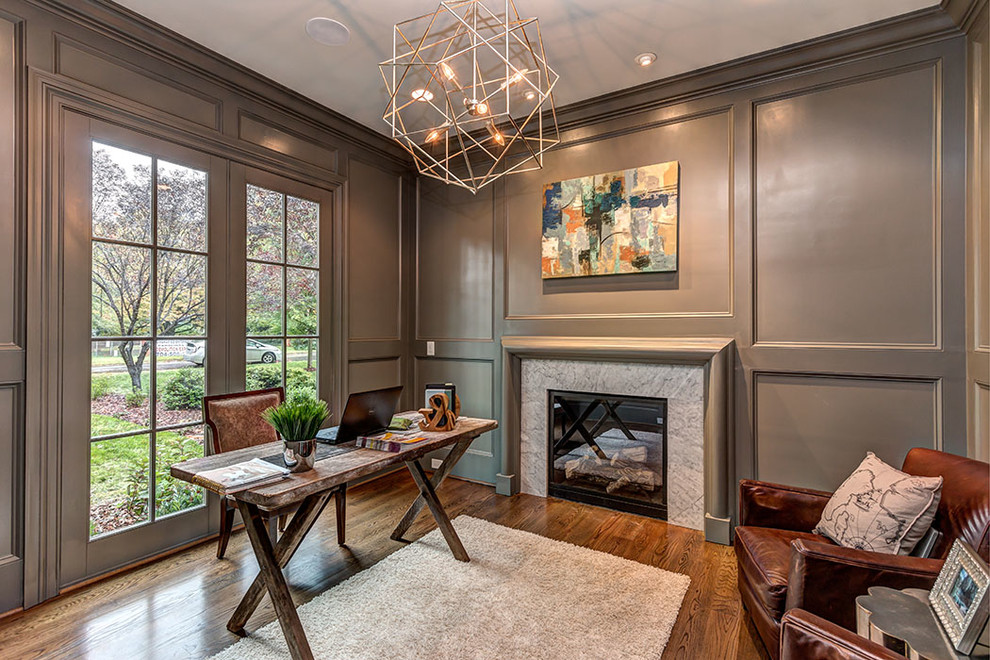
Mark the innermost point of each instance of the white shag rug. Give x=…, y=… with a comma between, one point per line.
x=522, y=596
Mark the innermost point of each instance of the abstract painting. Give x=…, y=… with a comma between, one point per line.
x=610, y=224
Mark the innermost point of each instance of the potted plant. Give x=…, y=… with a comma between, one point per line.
x=297, y=421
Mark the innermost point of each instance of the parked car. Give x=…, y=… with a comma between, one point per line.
x=255, y=351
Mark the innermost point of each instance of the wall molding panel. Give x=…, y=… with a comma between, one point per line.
x=89, y=65
x=806, y=125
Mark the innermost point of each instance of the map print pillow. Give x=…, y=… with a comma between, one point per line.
x=881, y=509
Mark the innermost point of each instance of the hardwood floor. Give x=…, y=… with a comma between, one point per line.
x=178, y=607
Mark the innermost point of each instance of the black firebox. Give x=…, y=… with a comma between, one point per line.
x=608, y=450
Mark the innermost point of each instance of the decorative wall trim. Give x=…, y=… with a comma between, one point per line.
x=115, y=109
x=937, y=397
x=937, y=172
x=266, y=134
x=62, y=42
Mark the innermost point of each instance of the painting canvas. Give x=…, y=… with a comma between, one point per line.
x=610, y=224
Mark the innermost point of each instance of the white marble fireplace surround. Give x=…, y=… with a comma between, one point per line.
x=694, y=375
x=681, y=384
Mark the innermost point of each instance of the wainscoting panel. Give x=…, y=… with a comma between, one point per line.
x=100, y=70
x=860, y=264
x=703, y=284
x=374, y=254
x=981, y=405
x=266, y=134
x=372, y=375
x=821, y=426
x=9, y=479
x=12, y=280
x=455, y=240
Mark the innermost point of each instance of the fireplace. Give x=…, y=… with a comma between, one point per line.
x=608, y=450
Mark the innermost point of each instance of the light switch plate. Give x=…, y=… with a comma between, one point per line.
x=436, y=462
x=431, y=348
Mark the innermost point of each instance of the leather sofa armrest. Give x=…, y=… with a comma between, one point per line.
x=825, y=579
x=763, y=504
x=804, y=636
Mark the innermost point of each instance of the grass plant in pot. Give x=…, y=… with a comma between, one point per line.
x=297, y=421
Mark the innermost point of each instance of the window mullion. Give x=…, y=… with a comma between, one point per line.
x=153, y=376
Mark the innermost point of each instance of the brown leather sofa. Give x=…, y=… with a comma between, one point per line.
x=783, y=565
x=804, y=636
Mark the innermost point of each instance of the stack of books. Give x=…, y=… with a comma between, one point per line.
x=389, y=441
x=240, y=476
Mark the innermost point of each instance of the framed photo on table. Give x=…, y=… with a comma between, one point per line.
x=959, y=596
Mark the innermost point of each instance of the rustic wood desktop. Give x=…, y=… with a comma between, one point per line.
x=312, y=490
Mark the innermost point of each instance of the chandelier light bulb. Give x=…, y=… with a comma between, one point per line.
x=496, y=134
x=476, y=107
x=530, y=95
x=434, y=135
x=514, y=78
x=447, y=71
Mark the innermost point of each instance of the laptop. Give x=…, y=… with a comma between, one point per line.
x=365, y=413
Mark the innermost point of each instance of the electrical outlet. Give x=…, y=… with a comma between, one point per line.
x=436, y=463
x=431, y=348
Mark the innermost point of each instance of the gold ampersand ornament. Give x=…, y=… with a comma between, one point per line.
x=439, y=416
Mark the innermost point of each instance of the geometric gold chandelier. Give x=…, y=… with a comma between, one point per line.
x=470, y=93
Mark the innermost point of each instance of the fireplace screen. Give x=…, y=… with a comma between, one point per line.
x=608, y=450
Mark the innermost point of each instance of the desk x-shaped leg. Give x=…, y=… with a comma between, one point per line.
x=271, y=559
x=428, y=497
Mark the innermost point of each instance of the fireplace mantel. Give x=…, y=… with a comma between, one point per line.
x=715, y=354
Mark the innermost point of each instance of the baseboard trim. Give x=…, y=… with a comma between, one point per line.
x=718, y=530
x=506, y=484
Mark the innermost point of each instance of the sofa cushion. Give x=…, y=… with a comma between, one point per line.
x=881, y=509
x=764, y=560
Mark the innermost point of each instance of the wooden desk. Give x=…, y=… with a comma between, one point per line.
x=312, y=490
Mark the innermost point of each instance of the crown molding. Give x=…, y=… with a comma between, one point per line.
x=870, y=40
x=963, y=12
x=140, y=33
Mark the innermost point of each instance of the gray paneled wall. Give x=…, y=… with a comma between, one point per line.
x=822, y=225
x=978, y=236
x=847, y=213
x=378, y=277
x=11, y=322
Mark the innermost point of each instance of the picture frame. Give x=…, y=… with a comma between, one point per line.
x=959, y=597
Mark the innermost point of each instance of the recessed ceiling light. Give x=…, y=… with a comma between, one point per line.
x=423, y=95
x=646, y=59
x=530, y=95
x=328, y=31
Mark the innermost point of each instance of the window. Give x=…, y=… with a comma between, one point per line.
x=283, y=280
x=148, y=332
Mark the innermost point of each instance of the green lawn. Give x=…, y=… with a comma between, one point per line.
x=115, y=464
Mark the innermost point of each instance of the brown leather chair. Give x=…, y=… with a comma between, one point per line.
x=235, y=423
x=804, y=636
x=782, y=564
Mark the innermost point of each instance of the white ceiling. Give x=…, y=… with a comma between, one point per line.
x=590, y=43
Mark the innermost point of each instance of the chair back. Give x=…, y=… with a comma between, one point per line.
x=964, y=510
x=235, y=419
